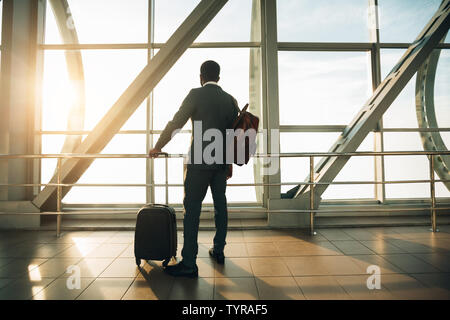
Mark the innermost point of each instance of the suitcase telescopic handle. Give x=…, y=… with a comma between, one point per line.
x=166, y=156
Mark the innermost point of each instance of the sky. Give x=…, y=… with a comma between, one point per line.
x=311, y=85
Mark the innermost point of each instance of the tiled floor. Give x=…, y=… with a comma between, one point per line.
x=260, y=264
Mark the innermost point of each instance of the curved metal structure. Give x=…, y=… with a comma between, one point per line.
x=74, y=61
x=426, y=115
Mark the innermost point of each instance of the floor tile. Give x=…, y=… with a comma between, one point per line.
x=192, y=289
x=257, y=236
x=269, y=267
x=55, y=267
x=78, y=250
x=23, y=289
x=381, y=246
x=439, y=284
x=334, y=234
x=234, y=267
x=263, y=249
x=356, y=287
x=437, y=260
x=121, y=268
x=322, y=265
x=100, y=236
x=108, y=250
x=206, y=267
x=235, y=236
x=235, y=289
x=361, y=234
x=349, y=247
x=20, y=267
x=409, y=263
x=320, y=288
x=5, y=261
x=364, y=261
x=405, y=287
x=151, y=287
x=128, y=252
x=92, y=267
x=4, y=282
x=278, y=288
x=410, y=246
x=60, y=289
x=106, y=289
x=303, y=248
x=122, y=237
x=235, y=250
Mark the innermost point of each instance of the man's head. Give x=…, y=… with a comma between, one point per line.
x=209, y=71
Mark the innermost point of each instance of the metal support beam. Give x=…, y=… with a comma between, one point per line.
x=270, y=90
x=375, y=63
x=133, y=96
x=18, y=91
x=367, y=119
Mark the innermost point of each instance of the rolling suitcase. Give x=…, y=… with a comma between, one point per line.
x=155, y=236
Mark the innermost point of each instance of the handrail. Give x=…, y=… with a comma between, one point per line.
x=311, y=155
x=273, y=155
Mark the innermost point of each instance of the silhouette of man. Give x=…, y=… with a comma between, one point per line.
x=208, y=107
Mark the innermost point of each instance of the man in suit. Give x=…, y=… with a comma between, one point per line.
x=210, y=108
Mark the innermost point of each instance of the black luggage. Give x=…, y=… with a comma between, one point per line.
x=155, y=236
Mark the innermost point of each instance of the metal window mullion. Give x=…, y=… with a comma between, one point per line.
x=150, y=191
x=375, y=67
x=270, y=84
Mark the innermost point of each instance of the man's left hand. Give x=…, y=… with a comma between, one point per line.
x=154, y=152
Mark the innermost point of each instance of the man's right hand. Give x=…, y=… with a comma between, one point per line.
x=154, y=152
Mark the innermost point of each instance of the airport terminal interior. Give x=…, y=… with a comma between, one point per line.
x=347, y=193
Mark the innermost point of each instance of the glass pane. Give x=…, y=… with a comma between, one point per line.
x=107, y=74
x=102, y=21
x=442, y=92
x=184, y=75
x=405, y=167
x=113, y=195
x=297, y=169
x=402, y=112
x=389, y=59
x=403, y=20
x=314, y=84
x=322, y=20
x=231, y=24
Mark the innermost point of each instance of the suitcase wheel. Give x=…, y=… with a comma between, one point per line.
x=138, y=262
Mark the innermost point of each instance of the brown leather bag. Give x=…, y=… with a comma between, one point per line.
x=244, y=141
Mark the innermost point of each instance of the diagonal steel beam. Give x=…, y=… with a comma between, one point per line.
x=133, y=96
x=366, y=120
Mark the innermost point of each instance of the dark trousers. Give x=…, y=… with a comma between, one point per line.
x=196, y=183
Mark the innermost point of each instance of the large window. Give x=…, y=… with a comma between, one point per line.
x=326, y=72
x=141, y=27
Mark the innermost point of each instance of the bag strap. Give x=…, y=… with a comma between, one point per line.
x=241, y=113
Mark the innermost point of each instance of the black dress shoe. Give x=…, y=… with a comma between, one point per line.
x=180, y=270
x=218, y=256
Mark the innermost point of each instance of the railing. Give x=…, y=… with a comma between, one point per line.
x=312, y=183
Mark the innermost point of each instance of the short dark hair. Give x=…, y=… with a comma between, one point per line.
x=210, y=70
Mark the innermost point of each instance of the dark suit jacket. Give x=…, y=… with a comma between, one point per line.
x=214, y=108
